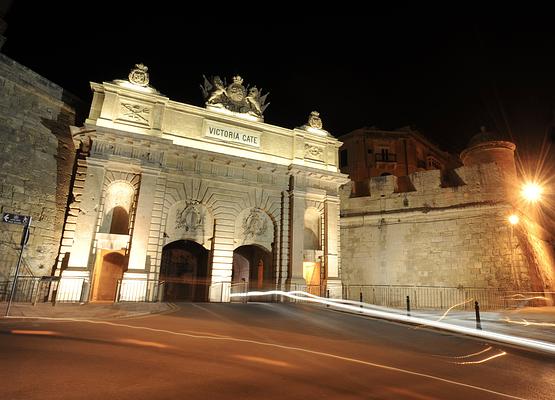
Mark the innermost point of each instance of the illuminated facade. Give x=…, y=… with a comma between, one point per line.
x=177, y=202
x=447, y=228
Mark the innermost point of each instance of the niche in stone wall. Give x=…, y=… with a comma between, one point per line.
x=312, y=229
x=117, y=208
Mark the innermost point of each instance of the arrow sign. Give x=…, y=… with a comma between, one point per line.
x=15, y=219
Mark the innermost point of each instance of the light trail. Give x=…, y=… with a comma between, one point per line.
x=481, y=361
x=32, y=332
x=499, y=337
x=279, y=346
x=469, y=355
x=144, y=343
x=263, y=360
x=521, y=297
x=527, y=323
x=450, y=308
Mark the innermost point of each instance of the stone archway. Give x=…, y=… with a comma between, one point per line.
x=184, y=271
x=253, y=265
x=109, y=271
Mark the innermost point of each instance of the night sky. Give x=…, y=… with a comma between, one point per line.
x=445, y=73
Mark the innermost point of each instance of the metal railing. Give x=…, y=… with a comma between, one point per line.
x=30, y=289
x=439, y=298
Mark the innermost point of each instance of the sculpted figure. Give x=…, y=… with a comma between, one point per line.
x=218, y=92
x=254, y=100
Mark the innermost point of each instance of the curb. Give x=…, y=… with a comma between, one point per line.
x=478, y=335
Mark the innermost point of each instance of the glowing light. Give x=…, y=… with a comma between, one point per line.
x=30, y=332
x=263, y=360
x=145, y=343
x=473, y=354
x=500, y=337
x=513, y=219
x=450, y=308
x=528, y=323
x=308, y=270
x=482, y=361
x=531, y=192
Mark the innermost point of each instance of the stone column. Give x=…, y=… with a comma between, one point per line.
x=134, y=285
x=141, y=226
x=296, y=240
x=87, y=220
x=222, y=260
x=284, y=242
x=331, y=246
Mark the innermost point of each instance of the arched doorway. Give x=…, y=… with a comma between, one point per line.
x=184, y=271
x=252, y=265
x=110, y=271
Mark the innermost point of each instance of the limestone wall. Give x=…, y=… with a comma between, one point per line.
x=440, y=236
x=36, y=161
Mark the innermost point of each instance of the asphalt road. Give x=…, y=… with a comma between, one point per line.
x=259, y=351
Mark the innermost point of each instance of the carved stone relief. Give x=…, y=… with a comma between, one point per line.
x=134, y=112
x=189, y=220
x=254, y=226
x=313, y=152
x=139, y=75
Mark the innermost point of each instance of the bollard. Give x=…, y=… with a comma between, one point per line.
x=408, y=306
x=327, y=296
x=84, y=292
x=478, y=322
x=361, y=300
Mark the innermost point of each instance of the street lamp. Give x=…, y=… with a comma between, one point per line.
x=513, y=219
x=531, y=192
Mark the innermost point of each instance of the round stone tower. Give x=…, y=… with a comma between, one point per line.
x=488, y=147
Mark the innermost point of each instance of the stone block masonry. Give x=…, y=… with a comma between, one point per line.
x=36, y=164
x=441, y=236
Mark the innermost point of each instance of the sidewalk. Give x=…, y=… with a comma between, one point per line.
x=85, y=311
x=536, y=323
x=530, y=322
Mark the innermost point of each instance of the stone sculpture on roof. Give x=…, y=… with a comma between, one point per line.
x=234, y=97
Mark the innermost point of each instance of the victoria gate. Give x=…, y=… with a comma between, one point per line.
x=173, y=202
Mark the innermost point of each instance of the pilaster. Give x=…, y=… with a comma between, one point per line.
x=87, y=219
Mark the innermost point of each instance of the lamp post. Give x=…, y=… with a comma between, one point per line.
x=513, y=220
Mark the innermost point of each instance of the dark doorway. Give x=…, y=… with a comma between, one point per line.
x=184, y=271
x=253, y=265
x=120, y=221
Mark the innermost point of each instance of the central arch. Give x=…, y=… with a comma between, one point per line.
x=252, y=264
x=184, y=271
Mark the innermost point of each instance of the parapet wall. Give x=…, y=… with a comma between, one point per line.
x=482, y=183
x=441, y=236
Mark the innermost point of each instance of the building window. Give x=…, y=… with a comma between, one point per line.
x=343, y=158
x=383, y=155
x=433, y=163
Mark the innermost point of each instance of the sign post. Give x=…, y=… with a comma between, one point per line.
x=24, y=220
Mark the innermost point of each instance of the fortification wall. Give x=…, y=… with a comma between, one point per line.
x=36, y=165
x=440, y=236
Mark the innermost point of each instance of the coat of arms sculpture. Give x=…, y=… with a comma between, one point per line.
x=234, y=97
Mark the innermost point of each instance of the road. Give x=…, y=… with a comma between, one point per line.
x=259, y=351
